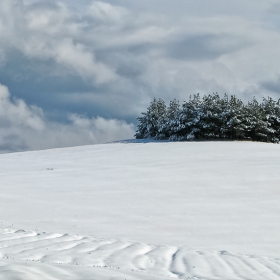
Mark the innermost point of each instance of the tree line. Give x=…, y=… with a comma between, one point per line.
x=211, y=117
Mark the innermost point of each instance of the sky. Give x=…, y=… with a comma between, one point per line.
x=81, y=72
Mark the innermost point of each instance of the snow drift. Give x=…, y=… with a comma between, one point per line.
x=207, y=210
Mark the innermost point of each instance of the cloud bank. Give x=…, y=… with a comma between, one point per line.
x=24, y=127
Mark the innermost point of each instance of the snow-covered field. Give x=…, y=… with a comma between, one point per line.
x=196, y=210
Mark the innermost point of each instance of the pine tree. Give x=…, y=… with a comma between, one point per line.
x=257, y=128
x=169, y=121
x=211, y=117
x=235, y=119
x=188, y=121
x=149, y=123
x=271, y=110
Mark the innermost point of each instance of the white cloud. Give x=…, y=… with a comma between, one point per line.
x=17, y=113
x=106, y=12
x=48, y=31
x=24, y=127
x=82, y=61
x=102, y=130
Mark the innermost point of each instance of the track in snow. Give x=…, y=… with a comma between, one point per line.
x=63, y=252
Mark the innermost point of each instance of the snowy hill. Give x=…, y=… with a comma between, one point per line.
x=206, y=210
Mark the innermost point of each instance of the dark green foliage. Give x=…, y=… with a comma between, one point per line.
x=150, y=121
x=211, y=117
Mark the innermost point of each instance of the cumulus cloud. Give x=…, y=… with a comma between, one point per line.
x=24, y=127
x=17, y=113
x=45, y=31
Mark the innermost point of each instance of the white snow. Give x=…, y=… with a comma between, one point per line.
x=188, y=210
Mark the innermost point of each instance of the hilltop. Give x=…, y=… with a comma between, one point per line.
x=153, y=210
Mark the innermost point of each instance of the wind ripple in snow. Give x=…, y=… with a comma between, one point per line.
x=163, y=261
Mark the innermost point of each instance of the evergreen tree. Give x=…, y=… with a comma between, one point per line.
x=257, y=128
x=271, y=110
x=149, y=123
x=211, y=117
x=188, y=121
x=235, y=119
x=169, y=121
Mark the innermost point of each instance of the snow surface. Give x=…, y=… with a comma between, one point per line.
x=192, y=210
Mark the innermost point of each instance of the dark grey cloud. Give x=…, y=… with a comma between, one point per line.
x=274, y=8
x=34, y=81
x=272, y=85
x=12, y=143
x=204, y=46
